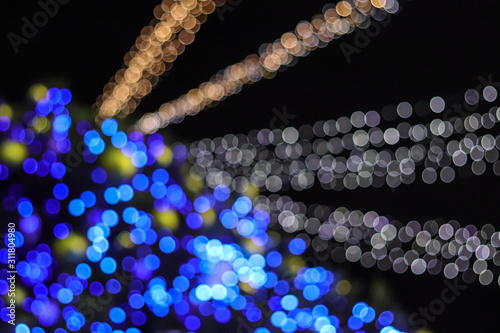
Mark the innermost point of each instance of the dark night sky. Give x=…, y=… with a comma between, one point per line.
x=431, y=48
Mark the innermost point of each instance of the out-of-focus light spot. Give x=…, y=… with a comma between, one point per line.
x=201, y=204
x=203, y=292
x=354, y=323
x=289, y=302
x=297, y=246
x=37, y=91
x=242, y=206
x=114, y=161
x=22, y=328
x=65, y=295
x=61, y=123
x=60, y=191
x=437, y=104
x=13, y=152
x=76, y=207
x=83, y=271
x=169, y=219
x=167, y=244
x=139, y=159
x=88, y=198
x=117, y=315
x=126, y=192
x=194, y=220
x=109, y=127
x=192, y=323
x=110, y=217
x=222, y=192
x=274, y=259
x=161, y=175
x=119, y=139
x=136, y=301
x=24, y=207
x=99, y=175
x=108, y=265
x=30, y=165
x=130, y=215
x=386, y=318
x=29, y=224
x=112, y=195
x=343, y=287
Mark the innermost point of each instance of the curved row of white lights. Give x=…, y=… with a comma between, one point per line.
x=238, y=160
x=434, y=246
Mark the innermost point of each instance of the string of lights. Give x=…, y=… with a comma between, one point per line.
x=435, y=246
x=301, y=155
x=153, y=53
x=334, y=22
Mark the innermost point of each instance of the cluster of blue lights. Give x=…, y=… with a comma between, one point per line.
x=146, y=247
x=240, y=217
x=314, y=282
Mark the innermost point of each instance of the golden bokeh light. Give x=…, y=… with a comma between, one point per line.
x=335, y=21
x=155, y=50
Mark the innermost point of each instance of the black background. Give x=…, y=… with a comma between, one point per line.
x=431, y=48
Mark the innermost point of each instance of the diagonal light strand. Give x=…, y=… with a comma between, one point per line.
x=155, y=50
x=335, y=21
